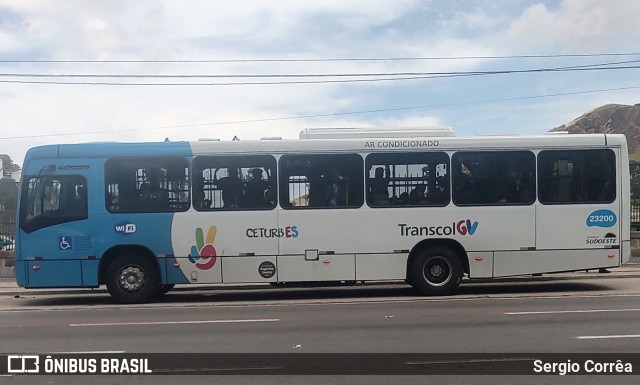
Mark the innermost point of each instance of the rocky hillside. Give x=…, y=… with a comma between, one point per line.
x=610, y=119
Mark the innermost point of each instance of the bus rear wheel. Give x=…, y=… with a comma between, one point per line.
x=132, y=279
x=436, y=271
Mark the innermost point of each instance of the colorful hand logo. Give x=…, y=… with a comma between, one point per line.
x=204, y=255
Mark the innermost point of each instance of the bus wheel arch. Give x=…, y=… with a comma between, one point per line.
x=442, y=256
x=131, y=273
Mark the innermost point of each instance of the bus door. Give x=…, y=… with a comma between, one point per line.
x=495, y=217
x=232, y=230
x=57, y=246
x=578, y=208
x=318, y=221
x=315, y=245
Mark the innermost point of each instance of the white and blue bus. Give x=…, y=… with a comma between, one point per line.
x=143, y=217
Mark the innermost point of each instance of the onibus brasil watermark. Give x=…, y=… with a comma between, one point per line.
x=35, y=364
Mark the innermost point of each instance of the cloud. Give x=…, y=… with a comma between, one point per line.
x=577, y=26
x=245, y=29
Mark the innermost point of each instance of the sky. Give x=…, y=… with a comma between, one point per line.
x=133, y=59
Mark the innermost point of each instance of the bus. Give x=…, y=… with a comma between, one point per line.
x=332, y=206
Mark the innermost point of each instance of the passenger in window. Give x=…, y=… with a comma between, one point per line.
x=607, y=192
x=270, y=197
x=379, y=186
x=128, y=197
x=80, y=201
x=440, y=194
x=336, y=191
x=404, y=198
x=417, y=195
x=199, y=199
x=145, y=192
x=576, y=192
x=464, y=188
x=112, y=201
x=318, y=191
x=231, y=187
x=256, y=189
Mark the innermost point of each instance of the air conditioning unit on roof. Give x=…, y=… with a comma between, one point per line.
x=374, y=132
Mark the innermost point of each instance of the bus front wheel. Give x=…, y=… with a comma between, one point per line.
x=436, y=271
x=132, y=279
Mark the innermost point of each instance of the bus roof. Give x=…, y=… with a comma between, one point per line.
x=324, y=145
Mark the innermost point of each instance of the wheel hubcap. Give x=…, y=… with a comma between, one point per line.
x=437, y=271
x=131, y=279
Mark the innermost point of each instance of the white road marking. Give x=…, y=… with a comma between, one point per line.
x=222, y=321
x=89, y=352
x=475, y=360
x=570, y=311
x=607, y=337
x=198, y=370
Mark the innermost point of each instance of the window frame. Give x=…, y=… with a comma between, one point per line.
x=612, y=164
x=455, y=163
x=358, y=168
x=42, y=221
x=371, y=157
x=271, y=163
x=145, y=161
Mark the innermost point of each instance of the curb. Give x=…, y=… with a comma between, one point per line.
x=522, y=279
x=550, y=278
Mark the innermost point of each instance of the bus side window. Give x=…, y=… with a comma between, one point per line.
x=234, y=182
x=493, y=177
x=408, y=179
x=321, y=181
x=576, y=176
x=51, y=200
x=147, y=184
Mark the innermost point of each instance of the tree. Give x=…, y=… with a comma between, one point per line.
x=8, y=192
x=8, y=167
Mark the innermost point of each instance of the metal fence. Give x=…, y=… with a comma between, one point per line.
x=634, y=169
x=635, y=216
x=8, y=207
x=7, y=236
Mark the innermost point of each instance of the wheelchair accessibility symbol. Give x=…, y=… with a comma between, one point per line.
x=65, y=243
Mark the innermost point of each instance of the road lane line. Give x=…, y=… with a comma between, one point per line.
x=607, y=337
x=177, y=322
x=207, y=370
x=570, y=311
x=470, y=361
x=90, y=352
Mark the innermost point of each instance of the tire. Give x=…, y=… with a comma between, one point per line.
x=436, y=271
x=132, y=279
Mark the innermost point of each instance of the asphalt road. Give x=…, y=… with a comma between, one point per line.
x=587, y=316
